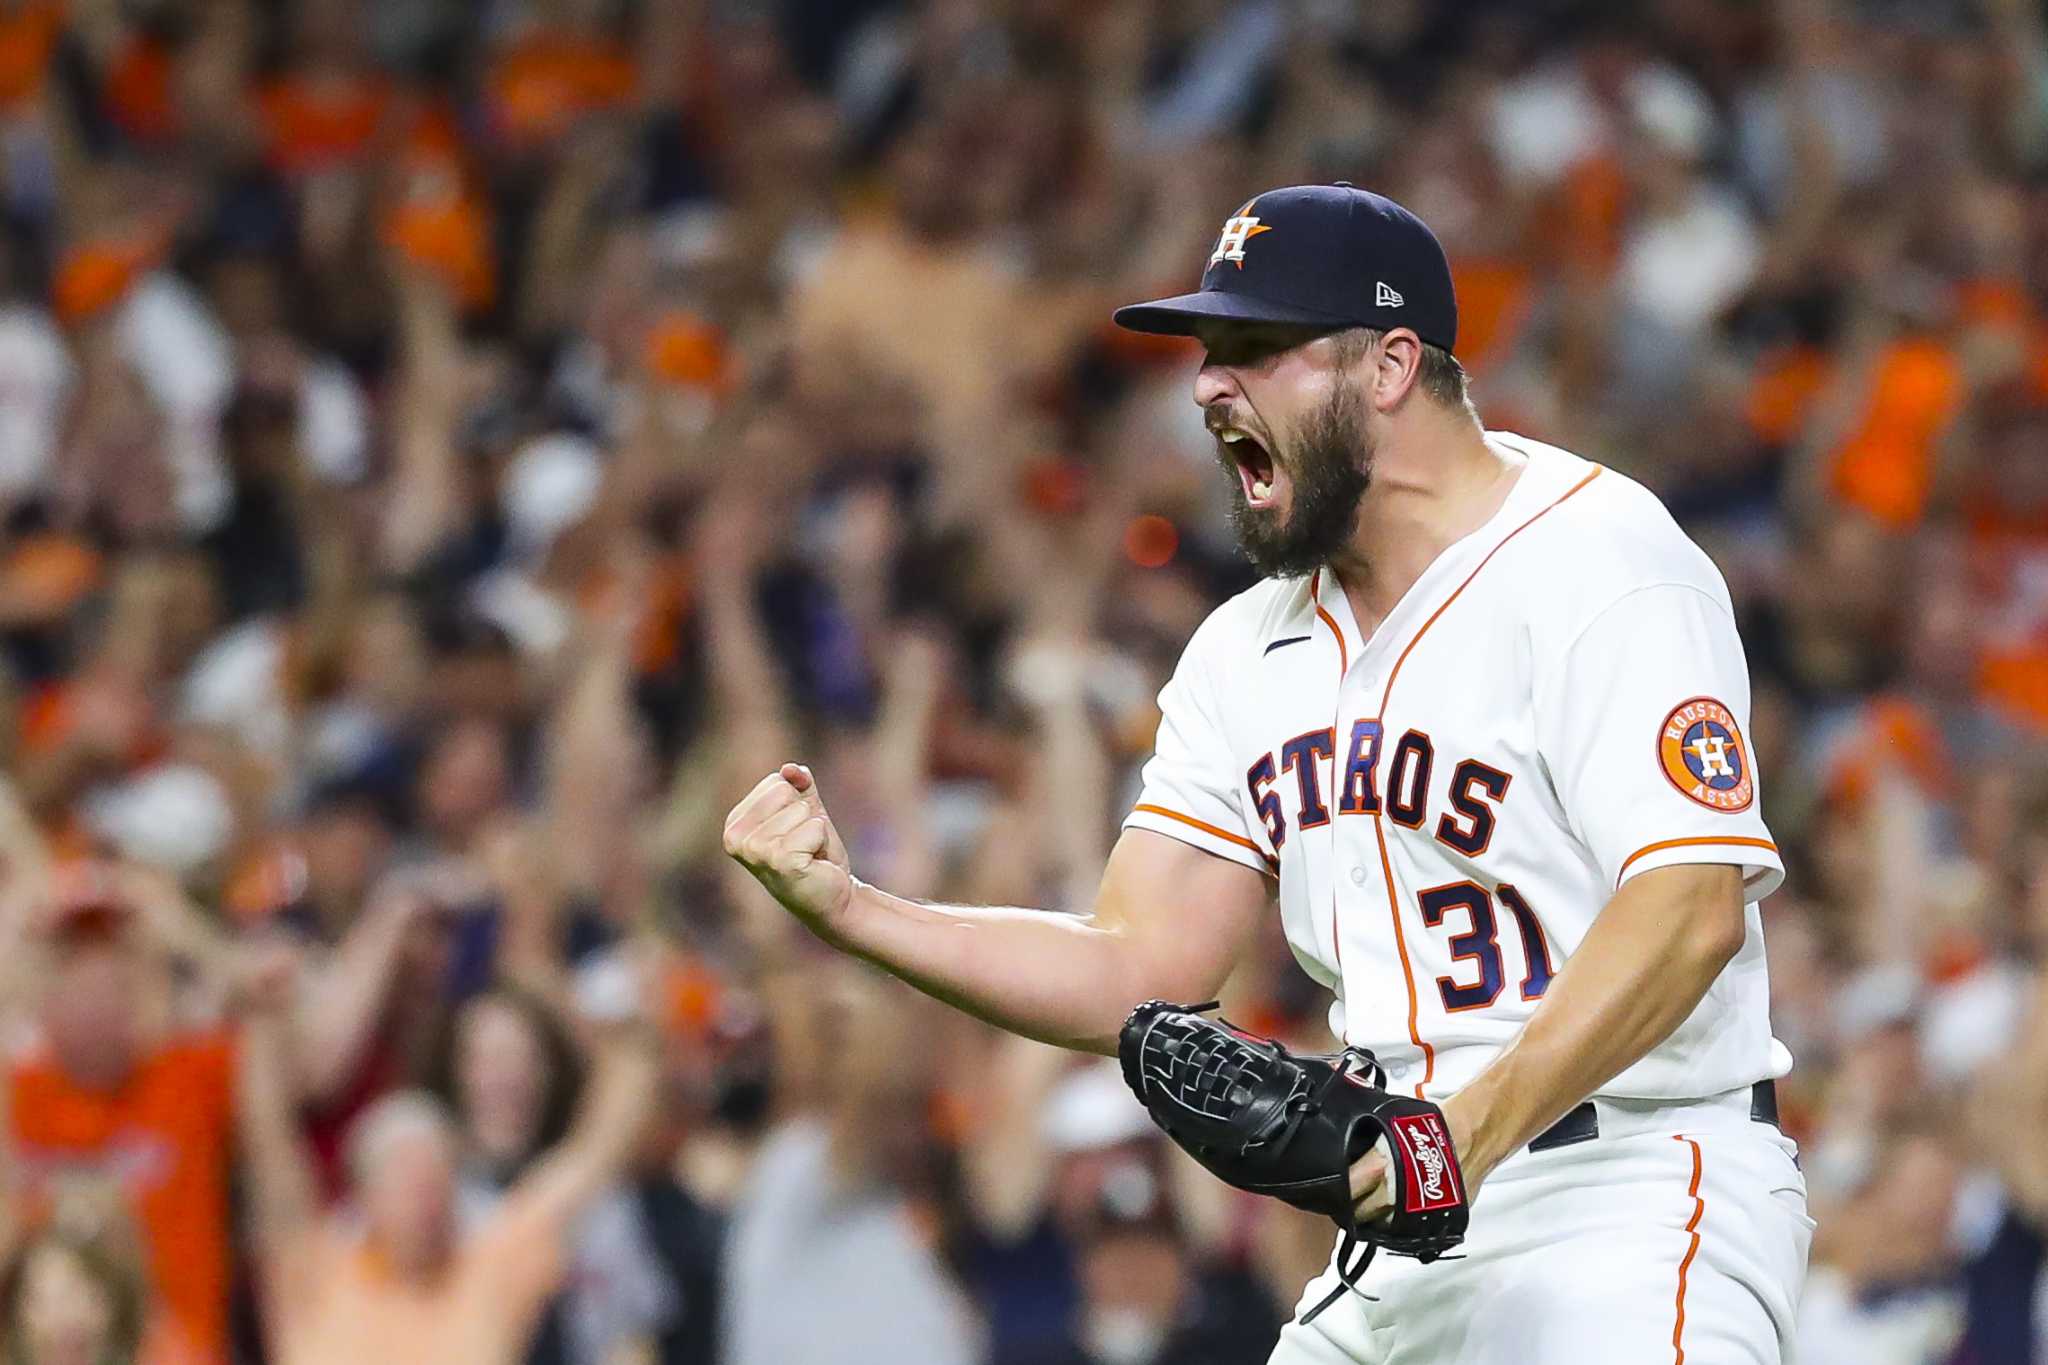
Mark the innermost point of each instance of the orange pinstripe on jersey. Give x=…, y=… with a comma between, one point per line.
x=1379, y=826
x=1315, y=597
x=1692, y=1228
x=1740, y=840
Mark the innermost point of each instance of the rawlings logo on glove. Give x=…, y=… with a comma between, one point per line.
x=1265, y=1120
x=1425, y=1146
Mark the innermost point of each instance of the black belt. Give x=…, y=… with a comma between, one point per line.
x=1583, y=1123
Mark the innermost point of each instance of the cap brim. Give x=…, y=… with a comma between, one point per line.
x=1180, y=315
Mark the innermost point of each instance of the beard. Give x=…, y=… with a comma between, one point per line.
x=1329, y=467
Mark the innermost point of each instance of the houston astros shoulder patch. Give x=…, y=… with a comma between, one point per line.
x=1700, y=749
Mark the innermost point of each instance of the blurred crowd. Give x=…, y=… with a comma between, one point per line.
x=451, y=449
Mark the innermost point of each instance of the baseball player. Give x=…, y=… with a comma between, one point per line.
x=1481, y=736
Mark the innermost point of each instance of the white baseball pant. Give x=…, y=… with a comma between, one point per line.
x=1679, y=1234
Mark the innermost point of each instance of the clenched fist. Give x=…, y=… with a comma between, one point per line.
x=781, y=833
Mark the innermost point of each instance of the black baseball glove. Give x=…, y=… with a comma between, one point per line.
x=1262, y=1119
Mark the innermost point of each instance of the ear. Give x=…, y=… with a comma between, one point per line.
x=1396, y=368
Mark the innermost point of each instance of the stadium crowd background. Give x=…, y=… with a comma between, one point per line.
x=449, y=451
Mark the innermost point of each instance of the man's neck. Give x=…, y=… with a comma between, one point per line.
x=1429, y=491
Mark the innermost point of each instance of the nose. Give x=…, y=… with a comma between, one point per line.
x=1214, y=384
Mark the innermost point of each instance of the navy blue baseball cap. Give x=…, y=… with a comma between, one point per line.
x=1331, y=256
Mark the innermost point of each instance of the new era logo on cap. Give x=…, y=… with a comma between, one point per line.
x=1386, y=296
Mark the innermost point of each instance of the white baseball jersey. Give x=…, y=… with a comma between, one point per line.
x=1558, y=704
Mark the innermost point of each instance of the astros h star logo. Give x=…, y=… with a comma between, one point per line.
x=1240, y=228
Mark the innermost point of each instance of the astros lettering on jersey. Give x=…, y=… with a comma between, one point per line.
x=1558, y=704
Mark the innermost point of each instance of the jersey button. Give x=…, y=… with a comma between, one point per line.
x=1358, y=876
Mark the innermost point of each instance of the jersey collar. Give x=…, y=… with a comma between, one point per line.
x=1323, y=608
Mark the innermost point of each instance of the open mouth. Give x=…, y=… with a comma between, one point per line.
x=1255, y=467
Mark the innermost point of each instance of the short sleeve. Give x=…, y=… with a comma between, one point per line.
x=1191, y=788
x=1643, y=724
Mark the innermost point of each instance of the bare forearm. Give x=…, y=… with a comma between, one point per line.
x=1642, y=968
x=1006, y=1163
x=743, y=674
x=589, y=788
x=280, y=1182
x=608, y=1129
x=24, y=853
x=341, y=1013
x=531, y=954
x=48, y=781
x=10, y=1172
x=425, y=498
x=622, y=1092
x=331, y=609
x=1075, y=762
x=424, y=506
x=1062, y=979
x=1168, y=920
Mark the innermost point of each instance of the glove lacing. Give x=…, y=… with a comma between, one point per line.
x=1214, y=1075
x=1356, y=1059
x=1347, y=1276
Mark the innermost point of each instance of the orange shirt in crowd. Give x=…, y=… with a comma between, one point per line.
x=28, y=37
x=1589, y=213
x=1782, y=392
x=313, y=122
x=338, y=1303
x=2009, y=548
x=1494, y=298
x=164, y=1139
x=137, y=90
x=1886, y=467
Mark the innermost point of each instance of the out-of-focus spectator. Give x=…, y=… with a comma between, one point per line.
x=116, y=1104
x=1144, y=1299
x=369, y=1009
x=839, y=1203
x=516, y=1075
x=409, y=1281
x=1123, y=1268
x=2007, y=1247
x=1887, y=1286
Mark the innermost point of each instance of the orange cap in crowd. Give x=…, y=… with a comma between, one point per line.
x=543, y=84
x=689, y=352
x=95, y=275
